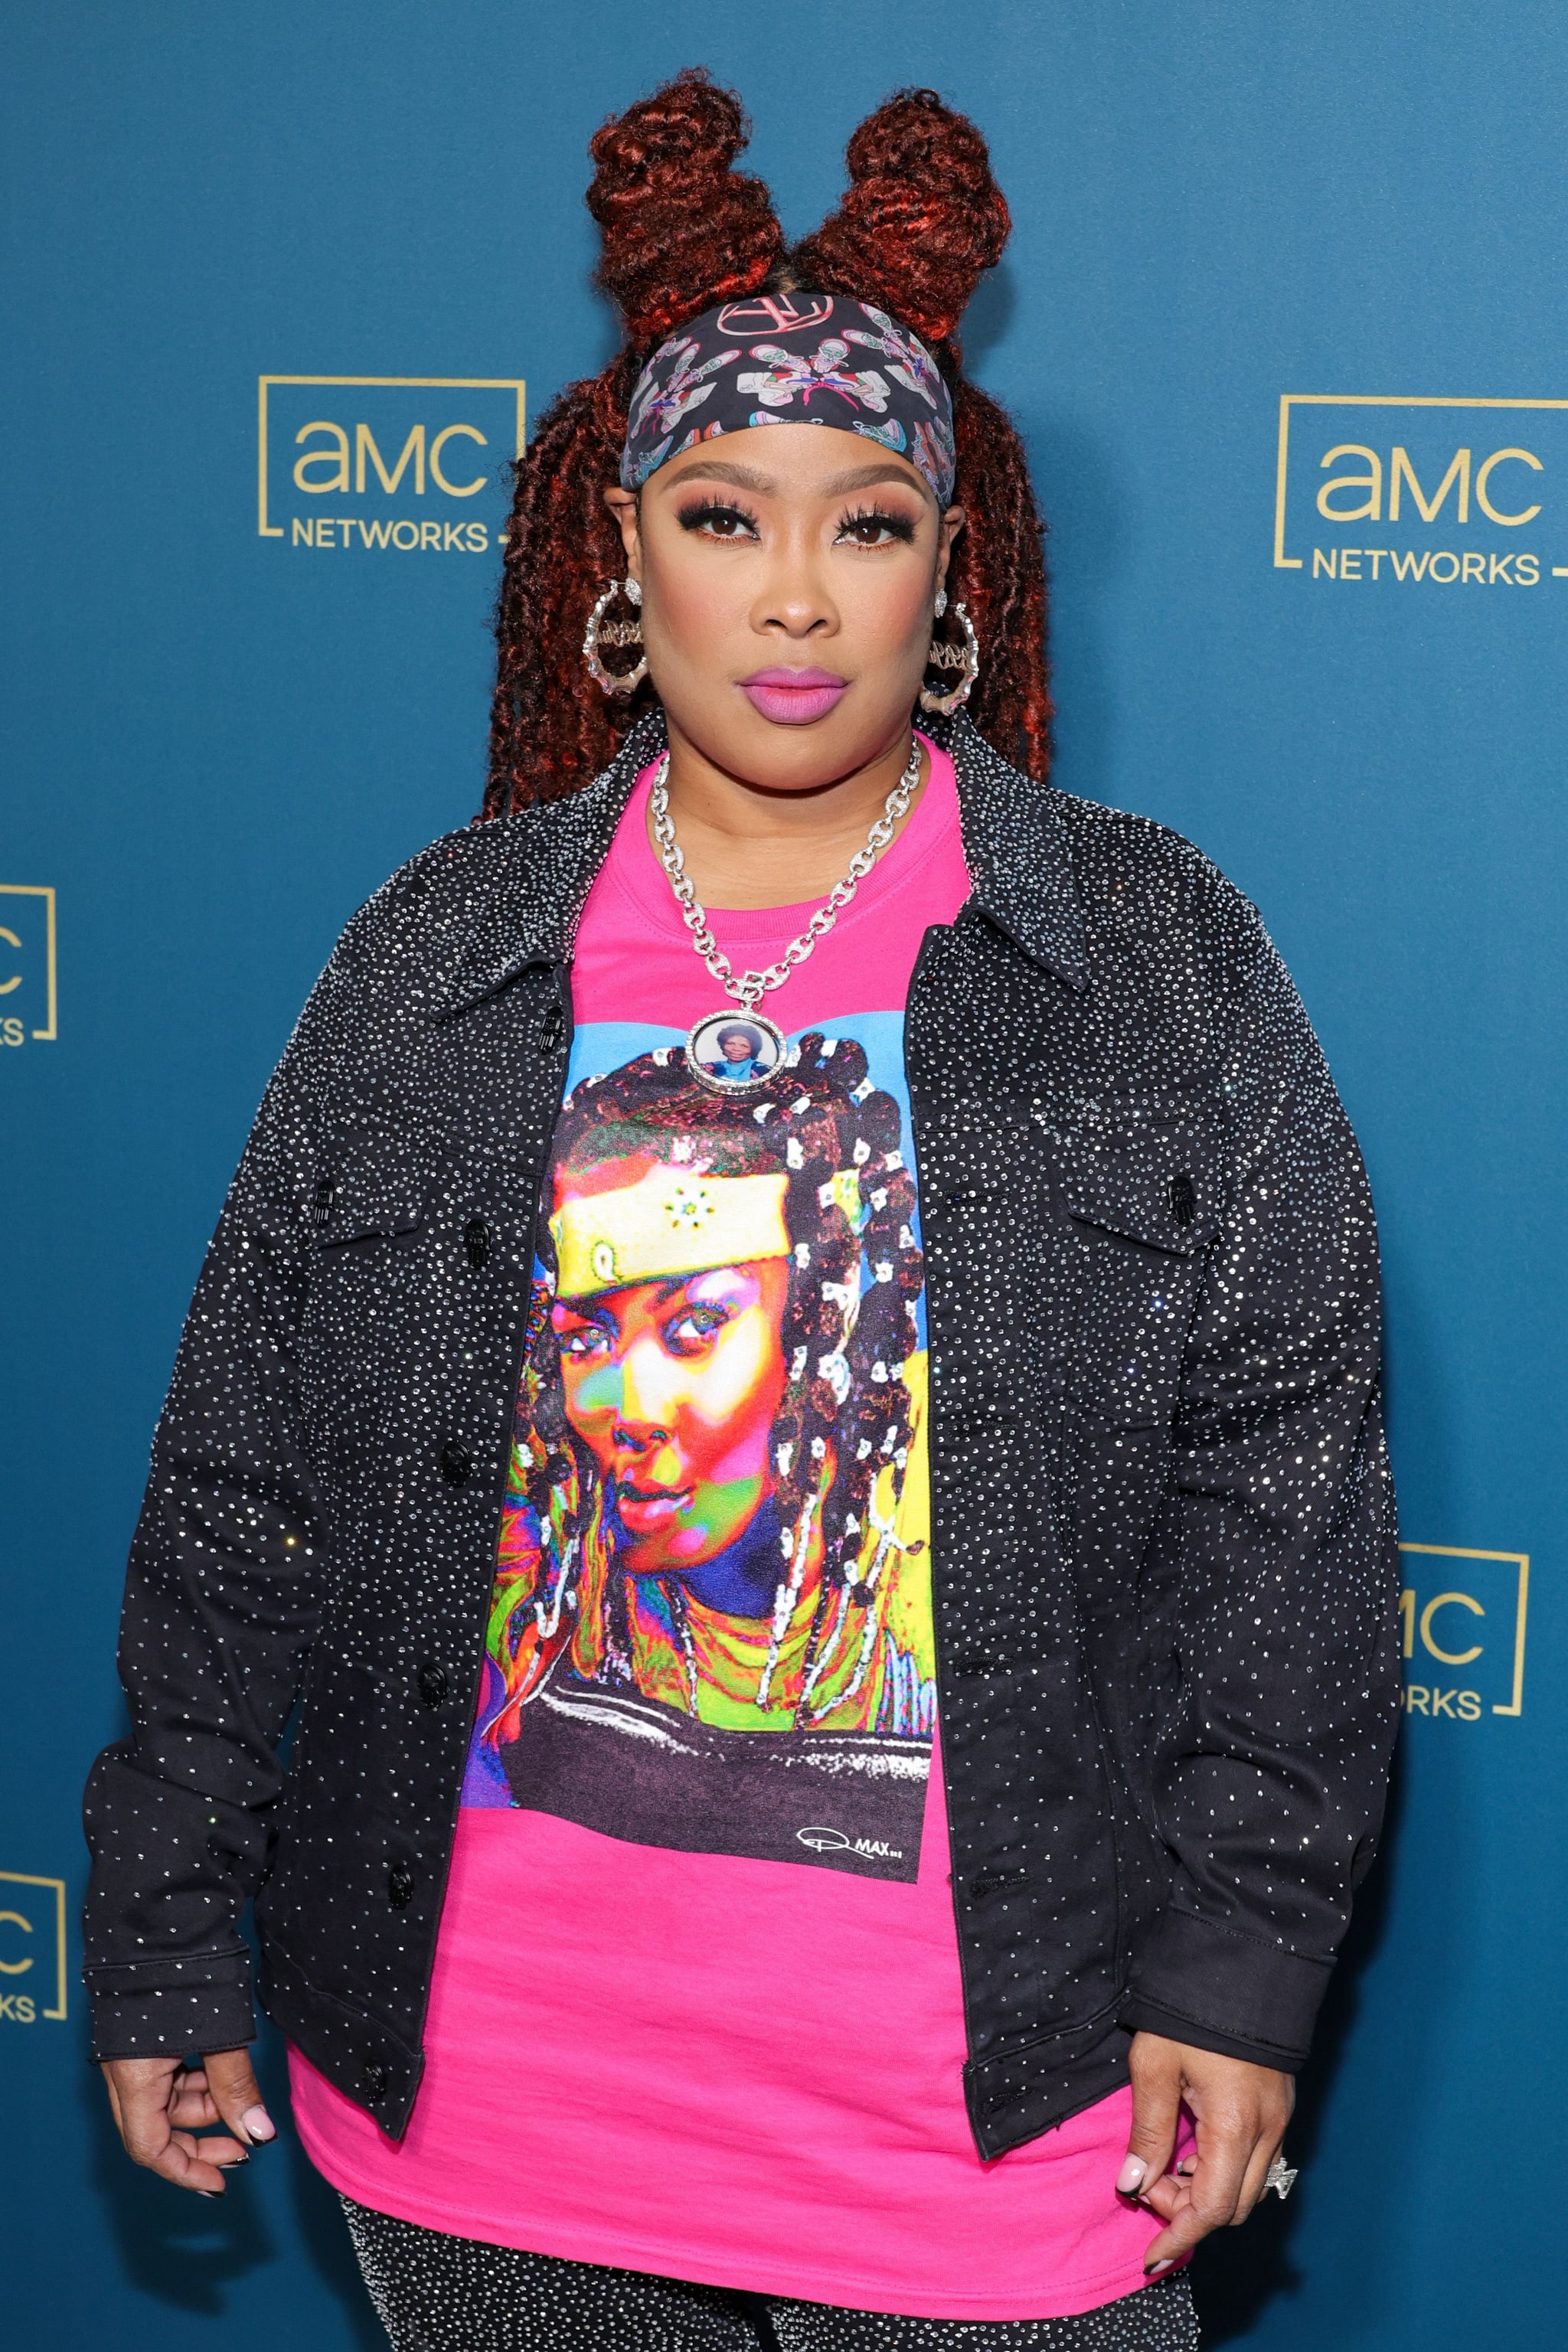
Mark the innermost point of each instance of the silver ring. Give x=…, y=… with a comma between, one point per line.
x=1281, y=2179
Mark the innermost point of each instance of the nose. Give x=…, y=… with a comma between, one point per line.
x=793, y=601
x=643, y=1438
x=643, y=1422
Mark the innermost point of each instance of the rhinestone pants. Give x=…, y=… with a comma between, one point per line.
x=441, y=2293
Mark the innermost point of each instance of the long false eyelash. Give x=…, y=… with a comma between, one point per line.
x=713, y=510
x=898, y=524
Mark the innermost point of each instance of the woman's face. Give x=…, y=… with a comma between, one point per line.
x=673, y=1386
x=788, y=576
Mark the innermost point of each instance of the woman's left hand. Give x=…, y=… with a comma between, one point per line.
x=1240, y=2112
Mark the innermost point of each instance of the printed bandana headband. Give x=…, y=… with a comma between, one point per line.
x=830, y=360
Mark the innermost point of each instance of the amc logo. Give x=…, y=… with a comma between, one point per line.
x=378, y=464
x=1463, y=1617
x=26, y=963
x=1396, y=492
x=32, y=1948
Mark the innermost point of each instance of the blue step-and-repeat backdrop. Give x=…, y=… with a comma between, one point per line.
x=1282, y=321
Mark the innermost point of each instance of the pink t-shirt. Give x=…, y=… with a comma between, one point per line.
x=696, y=2006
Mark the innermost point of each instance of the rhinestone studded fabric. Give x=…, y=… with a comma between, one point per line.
x=441, y=2294
x=1164, y=1548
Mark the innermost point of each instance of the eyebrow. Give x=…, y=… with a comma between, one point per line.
x=751, y=477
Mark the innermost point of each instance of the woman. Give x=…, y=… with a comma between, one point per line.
x=684, y=1518
x=651, y=1977
x=741, y=1054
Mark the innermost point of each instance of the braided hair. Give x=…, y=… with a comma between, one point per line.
x=681, y=229
x=846, y=1416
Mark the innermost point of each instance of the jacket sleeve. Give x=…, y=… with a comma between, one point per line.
x=1278, y=1544
x=220, y=1602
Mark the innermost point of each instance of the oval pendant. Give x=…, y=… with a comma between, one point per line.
x=733, y=1053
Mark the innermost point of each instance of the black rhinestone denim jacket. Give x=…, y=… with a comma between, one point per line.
x=1164, y=1566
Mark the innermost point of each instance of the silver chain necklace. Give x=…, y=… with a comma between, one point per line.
x=711, y=1054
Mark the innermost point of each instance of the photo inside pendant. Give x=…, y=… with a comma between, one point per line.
x=734, y=1049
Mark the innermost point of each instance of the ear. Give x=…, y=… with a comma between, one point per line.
x=623, y=504
x=948, y=530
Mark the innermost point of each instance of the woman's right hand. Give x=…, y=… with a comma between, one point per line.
x=160, y=2105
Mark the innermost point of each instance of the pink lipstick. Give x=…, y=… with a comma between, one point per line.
x=794, y=698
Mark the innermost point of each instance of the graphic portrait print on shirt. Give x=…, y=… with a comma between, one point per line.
x=711, y=1625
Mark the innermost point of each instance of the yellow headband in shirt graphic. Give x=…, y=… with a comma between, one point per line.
x=676, y=1221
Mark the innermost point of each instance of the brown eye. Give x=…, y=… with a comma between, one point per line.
x=877, y=529
x=717, y=521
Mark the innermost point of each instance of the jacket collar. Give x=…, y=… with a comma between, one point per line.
x=551, y=857
x=1015, y=843
x=1015, y=846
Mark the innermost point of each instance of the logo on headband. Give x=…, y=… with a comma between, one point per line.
x=775, y=311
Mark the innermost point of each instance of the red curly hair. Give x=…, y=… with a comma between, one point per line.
x=922, y=219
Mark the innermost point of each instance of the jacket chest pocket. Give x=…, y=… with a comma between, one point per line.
x=1136, y=1212
x=376, y=1190
x=373, y=1206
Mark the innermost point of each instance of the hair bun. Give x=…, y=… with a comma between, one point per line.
x=920, y=221
x=680, y=228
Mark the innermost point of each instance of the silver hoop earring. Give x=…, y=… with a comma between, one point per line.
x=614, y=632
x=942, y=656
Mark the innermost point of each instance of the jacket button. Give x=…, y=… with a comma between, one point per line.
x=551, y=1034
x=432, y=1683
x=1184, y=1197
x=456, y=1462
x=477, y=1242
x=400, y=1886
x=373, y=2079
x=326, y=1192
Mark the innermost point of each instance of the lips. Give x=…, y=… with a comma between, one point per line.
x=794, y=698
x=643, y=1511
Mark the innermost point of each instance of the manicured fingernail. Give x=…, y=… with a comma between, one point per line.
x=211, y=2192
x=228, y=2162
x=1131, y=2177
x=1156, y=2268
x=1188, y=2166
x=259, y=2123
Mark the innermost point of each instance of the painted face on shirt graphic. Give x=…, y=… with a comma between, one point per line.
x=673, y=1387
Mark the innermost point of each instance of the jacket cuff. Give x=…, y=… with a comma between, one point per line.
x=170, y=2009
x=1199, y=1982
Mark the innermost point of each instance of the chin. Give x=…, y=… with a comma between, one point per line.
x=796, y=755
